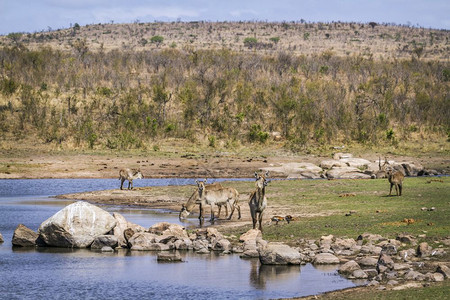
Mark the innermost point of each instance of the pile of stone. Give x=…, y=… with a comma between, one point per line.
x=345, y=166
x=370, y=257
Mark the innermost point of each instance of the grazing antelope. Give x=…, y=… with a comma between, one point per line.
x=215, y=197
x=127, y=174
x=187, y=208
x=258, y=200
x=395, y=178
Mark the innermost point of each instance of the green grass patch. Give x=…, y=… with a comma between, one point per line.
x=321, y=207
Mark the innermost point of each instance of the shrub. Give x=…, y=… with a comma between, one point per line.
x=250, y=42
x=256, y=134
x=157, y=39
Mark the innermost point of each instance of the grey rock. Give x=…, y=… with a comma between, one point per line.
x=444, y=270
x=400, y=267
x=434, y=277
x=121, y=226
x=252, y=234
x=373, y=283
x=414, y=275
x=222, y=245
x=359, y=274
x=389, y=249
x=406, y=238
x=107, y=249
x=368, y=262
x=143, y=241
x=76, y=225
x=346, y=173
x=325, y=258
x=424, y=250
x=169, y=257
x=385, y=260
x=104, y=241
x=371, y=272
x=279, y=254
x=349, y=267
x=392, y=282
x=24, y=237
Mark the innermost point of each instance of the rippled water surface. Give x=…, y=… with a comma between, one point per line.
x=51, y=273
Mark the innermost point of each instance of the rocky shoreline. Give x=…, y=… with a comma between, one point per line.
x=381, y=262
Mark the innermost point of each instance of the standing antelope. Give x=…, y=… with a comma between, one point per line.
x=127, y=174
x=187, y=208
x=395, y=178
x=394, y=175
x=258, y=200
x=215, y=197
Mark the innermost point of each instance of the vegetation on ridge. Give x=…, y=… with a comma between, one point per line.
x=123, y=98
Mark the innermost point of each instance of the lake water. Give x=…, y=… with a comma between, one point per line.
x=54, y=273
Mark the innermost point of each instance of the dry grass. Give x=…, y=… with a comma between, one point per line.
x=342, y=39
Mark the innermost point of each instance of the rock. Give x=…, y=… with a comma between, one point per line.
x=406, y=238
x=424, y=250
x=24, y=237
x=168, y=229
x=371, y=272
x=346, y=173
x=435, y=277
x=104, y=241
x=326, y=240
x=389, y=249
x=343, y=244
x=406, y=255
x=107, y=249
x=203, y=251
x=222, y=245
x=200, y=244
x=370, y=237
x=279, y=254
x=328, y=164
x=121, y=226
x=359, y=274
x=143, y=241
x=392, y=282
x=409, y=285
x=349, y=267
x=297, y=170
x=325, y=258
x=359, y=163
x=185, y=244
x=252, y=234
x=414, y=275
x=373, y=283
x=385, y=260
x=127, y=234
x=250, y=249
x=1, y=238
x=444, y=270
x=169, y=257
x=368, y=262
x=340, y=155
x=400, y=267
x=76, y=225
x=370, y=249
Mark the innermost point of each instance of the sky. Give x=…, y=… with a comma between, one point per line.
x=43, y=15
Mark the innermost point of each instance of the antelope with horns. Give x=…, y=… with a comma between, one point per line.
x=258, y=200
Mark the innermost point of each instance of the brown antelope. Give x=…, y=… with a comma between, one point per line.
x=187, y=208
x=215, y=197
x=258, y=200
x=127, y=174
x=394, y=175
x=395, y=178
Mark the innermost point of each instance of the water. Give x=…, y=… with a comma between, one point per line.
x=56, y=273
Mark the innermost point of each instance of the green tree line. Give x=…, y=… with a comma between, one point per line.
x=127, y=99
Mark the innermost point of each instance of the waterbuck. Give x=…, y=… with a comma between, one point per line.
x=187, y=208
x=394, y=175
x=395, y=178
x=215, y=197
x=258, y=200
x=127, y=174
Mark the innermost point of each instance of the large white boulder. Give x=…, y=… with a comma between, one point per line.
x=76, y=226
x=279, y=254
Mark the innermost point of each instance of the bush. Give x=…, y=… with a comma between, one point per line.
x=250, y=42
x=256, y=134
x=157, y=39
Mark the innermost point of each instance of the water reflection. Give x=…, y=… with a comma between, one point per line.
x=260, y=274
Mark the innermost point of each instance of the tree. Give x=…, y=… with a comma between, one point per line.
x=250, y=42
x=372, y=24
x=157, y=39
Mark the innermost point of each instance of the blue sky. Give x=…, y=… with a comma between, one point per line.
x=38, y=15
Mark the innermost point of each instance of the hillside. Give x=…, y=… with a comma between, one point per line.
x=298, y=86
x=299, y=38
